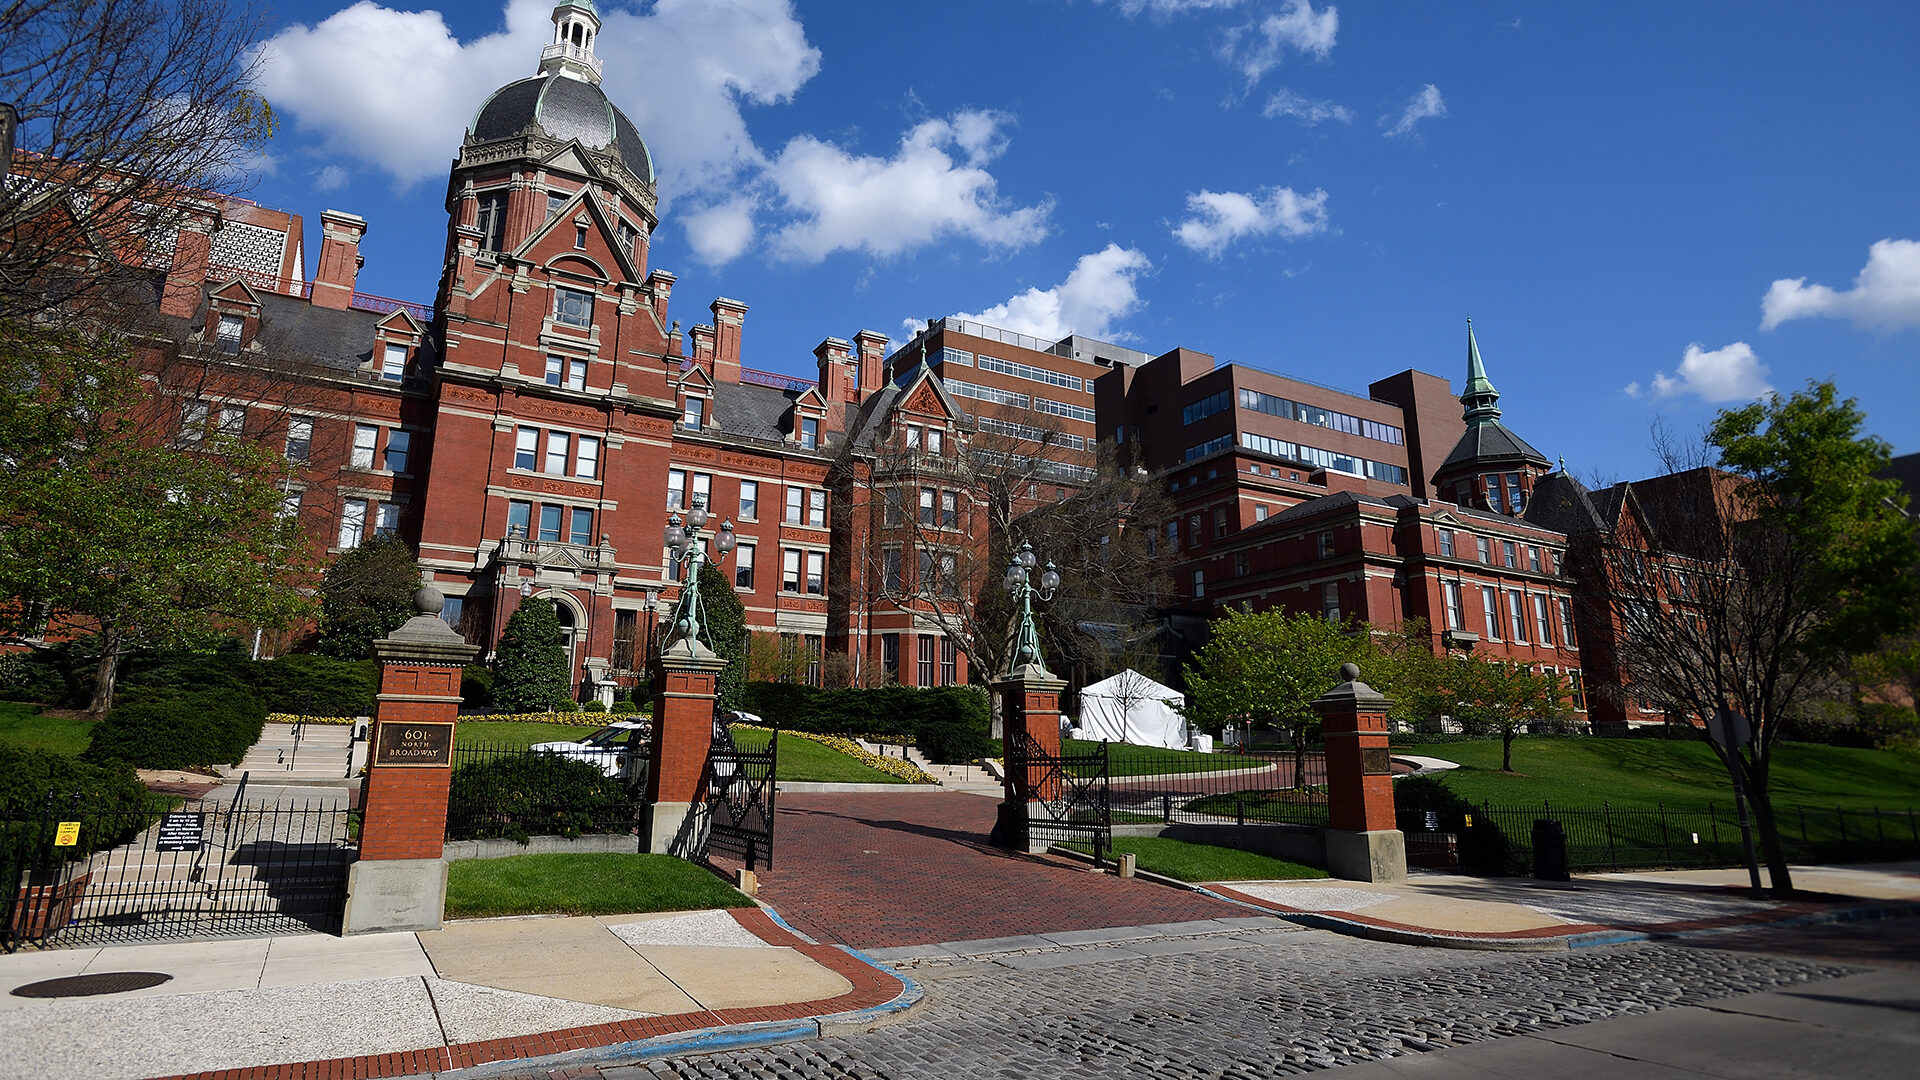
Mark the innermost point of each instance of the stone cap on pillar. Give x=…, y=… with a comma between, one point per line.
x=1351, y=695
x=426, y=638
x=1032, y=675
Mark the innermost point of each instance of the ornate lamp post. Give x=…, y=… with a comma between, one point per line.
x=653, y=624
x=1026, y=636
x=689, y=551
x=1029, y=711
x=684, y=694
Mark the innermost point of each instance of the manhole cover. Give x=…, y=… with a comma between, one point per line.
x=107, y=982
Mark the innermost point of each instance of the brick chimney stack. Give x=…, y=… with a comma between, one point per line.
x=192, y=253
x=871, y=347
x=839, y=378
x=340, y=259
x=728, y=317
x=700, y=341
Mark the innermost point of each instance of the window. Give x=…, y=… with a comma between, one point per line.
x=451, y=610
x=890, y=656
x=398, y=443
x=549, y=525
x=526, y=448
x=586, y=457
x=953, y=356
x=809, y=433
x=923, y=669
x=519, y=519
x=894, y=513
x=948, y=583
x=817, y=573
x=676, y=489
x=949, y=509
x=556, y=370
x=1485, y=549
x=933, y=441
x=702, y=490
x=949, y=662
x=233, y=421
x=1566, y=623
x=1242, y=564
x=576, y=374
x=492, y=220
x=1330, y=601
x=573, y=307
x=393, y=367
x=927, y=582
x=300, y=439
x=353, y=522
x=226, y=334
x=1508, y=558
x=556, y=462
x=579, y=238
x=1029, y=372
x=815, y=645
x=1516, y=616
x=914, y=431
x=927, y=517
x=1513, y=493
x=989, y=393
x=1542, y=629
x=795, y=499
x=193, y=421
x=695, y=415
x=364, y=436
x=555, y=200
x=1199, y=584
x=580, y=526
x=817, y=508
x=1193, y=530
x=1446, y=543
x=626, y=628
x=749, y=500
x=290, y=504
x=743, y=567
x=1173, y=535
x=890, y=569
x=1579, y=694
x=1219, y=522
x=1450, y=598
x=387, y=519
x=1490, y=605
x=1207, y=406
x=790, y=570
x=1533, y=559
x=1493, y=492
x=1326, y=545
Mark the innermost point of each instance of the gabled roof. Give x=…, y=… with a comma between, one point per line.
x=1562, y=504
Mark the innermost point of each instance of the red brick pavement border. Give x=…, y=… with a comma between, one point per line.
x=871, y=987
x=878, y=870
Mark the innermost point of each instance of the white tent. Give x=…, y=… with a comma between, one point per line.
x=1132, y=708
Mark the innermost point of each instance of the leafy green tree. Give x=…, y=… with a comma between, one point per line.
x=1490, y=695
x=111, y=533
x=1756, y=579
x=531, y=672
x=726, y=626
x=1267, y=667
x=367, y=594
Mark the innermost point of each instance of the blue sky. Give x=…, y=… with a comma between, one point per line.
x=1651, y=211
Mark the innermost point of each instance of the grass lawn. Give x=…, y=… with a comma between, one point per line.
x=522, y=733
x=806, y=761
x=584, y=884
x=1203, y=862
x=25, y=726
x=1645, y=772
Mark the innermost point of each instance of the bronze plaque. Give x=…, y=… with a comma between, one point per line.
x=429, y=745
x=1376, y=761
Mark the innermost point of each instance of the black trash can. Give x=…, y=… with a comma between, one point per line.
x=1549, y=850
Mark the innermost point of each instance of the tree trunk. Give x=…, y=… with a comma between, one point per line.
x=105, y=673
x=1299, y=758
x=1772, y=852
x=1506, y=749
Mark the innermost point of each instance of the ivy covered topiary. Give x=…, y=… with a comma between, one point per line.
x=531, y=672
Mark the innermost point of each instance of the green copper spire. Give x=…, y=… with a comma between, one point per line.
x=1480, y=398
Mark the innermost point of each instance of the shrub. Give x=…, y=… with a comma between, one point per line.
x=317, y=685
x=627, y=707
x=476, y=687
x=530, y=670
x=593, y=707
x=525, y=795
x=160, y=730
x=949, y=723
x=78, y=788
x=366, y=594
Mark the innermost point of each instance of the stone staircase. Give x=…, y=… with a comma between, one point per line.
x=317, y=754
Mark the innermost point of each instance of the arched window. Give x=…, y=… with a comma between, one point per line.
x=569, y=633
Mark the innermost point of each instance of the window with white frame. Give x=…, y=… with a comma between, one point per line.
x=233, y=421
x=1542, y=629
x=1330, y=601
x=817, y=573
x=749, y=500
x=193, y=421
x=933, y=440
x=1259, y=512
x=1533, y=558
x=573, y=307
x=694, y=417
x=1485, y=549
x=386, y=520
x=1450, y=598
x=1507, y=555
x=703, y=490
x=676, y=489
x=927, y=512
x=949, y=509
x=923, y=668
x=300, y=439
x=556, y=370
x=353, y=523
x=1326, y=545
x=1446, y=542
x=399, y=445
x=226, y=334
x=1566, y=623
x=743, y=567
x=556, y=459
x=290, y=503
x=526, y=448
x=796, y=499
x=580, y=526
x=949, y=662
x=790, y=570
x=364, y=438
x=914, y=432
x=1219, y=522
x=576, y=374
x=817, y=508
x=519, y=518
x=1490, y=605
x=586, y=457
x=393, y=363
x=1199, y=584
x=809, y=433
x=1516, y=616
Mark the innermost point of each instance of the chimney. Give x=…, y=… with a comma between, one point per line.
x=728, y=315
x=872, y=350
x=192, y=253
x=839, y=379
x=339, y=259
x=659, y=286
x=700, y=339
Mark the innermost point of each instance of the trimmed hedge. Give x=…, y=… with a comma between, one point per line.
x=189, y=731
x=950, y=724
x=27, y=777
x=525, y=795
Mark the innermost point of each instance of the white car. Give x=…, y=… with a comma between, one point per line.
x=620, y=748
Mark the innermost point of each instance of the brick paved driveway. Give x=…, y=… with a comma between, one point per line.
x=882, y=870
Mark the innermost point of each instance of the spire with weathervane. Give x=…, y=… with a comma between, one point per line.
x=1480, y=398
x=1490, y=468
x=575, y=25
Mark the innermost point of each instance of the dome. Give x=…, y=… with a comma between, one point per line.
x=563, y=108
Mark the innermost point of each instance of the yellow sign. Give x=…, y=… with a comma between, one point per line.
x=67, y=835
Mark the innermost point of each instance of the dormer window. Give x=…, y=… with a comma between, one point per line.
x=695, y=415
x=393, y=365
x=579, y=238
x=573, y=307
x=933, y=441
x=809, y=433
x=226, y=335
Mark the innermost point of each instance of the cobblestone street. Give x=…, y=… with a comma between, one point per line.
x=1258, y=1004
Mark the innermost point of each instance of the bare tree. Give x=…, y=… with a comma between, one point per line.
x=127, y=109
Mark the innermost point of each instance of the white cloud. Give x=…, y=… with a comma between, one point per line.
x=1425, y=104
x=1164, y=8
x=1307, y=110
x=330, y=178
x=1218, y=218
x=681, y=72
x=720, y=233
x=1100, y=291
x=1885, y=295
x=1732, y=373
x=1258, y=47
x=933, y=187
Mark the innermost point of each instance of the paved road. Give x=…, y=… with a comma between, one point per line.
x=1286, y=1002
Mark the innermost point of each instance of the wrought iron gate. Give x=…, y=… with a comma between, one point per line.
x=1068, y=798
x=159, y=868
x=740, y=792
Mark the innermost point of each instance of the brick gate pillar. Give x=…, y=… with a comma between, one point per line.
x=399, y=882
x=1030, y=706
x=1364, y=843
x=683, y=700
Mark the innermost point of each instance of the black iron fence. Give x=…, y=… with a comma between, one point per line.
x=513, y=792
x=740, y=795
x=159, y=868
x=1150, y=785
x=1491, y=838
